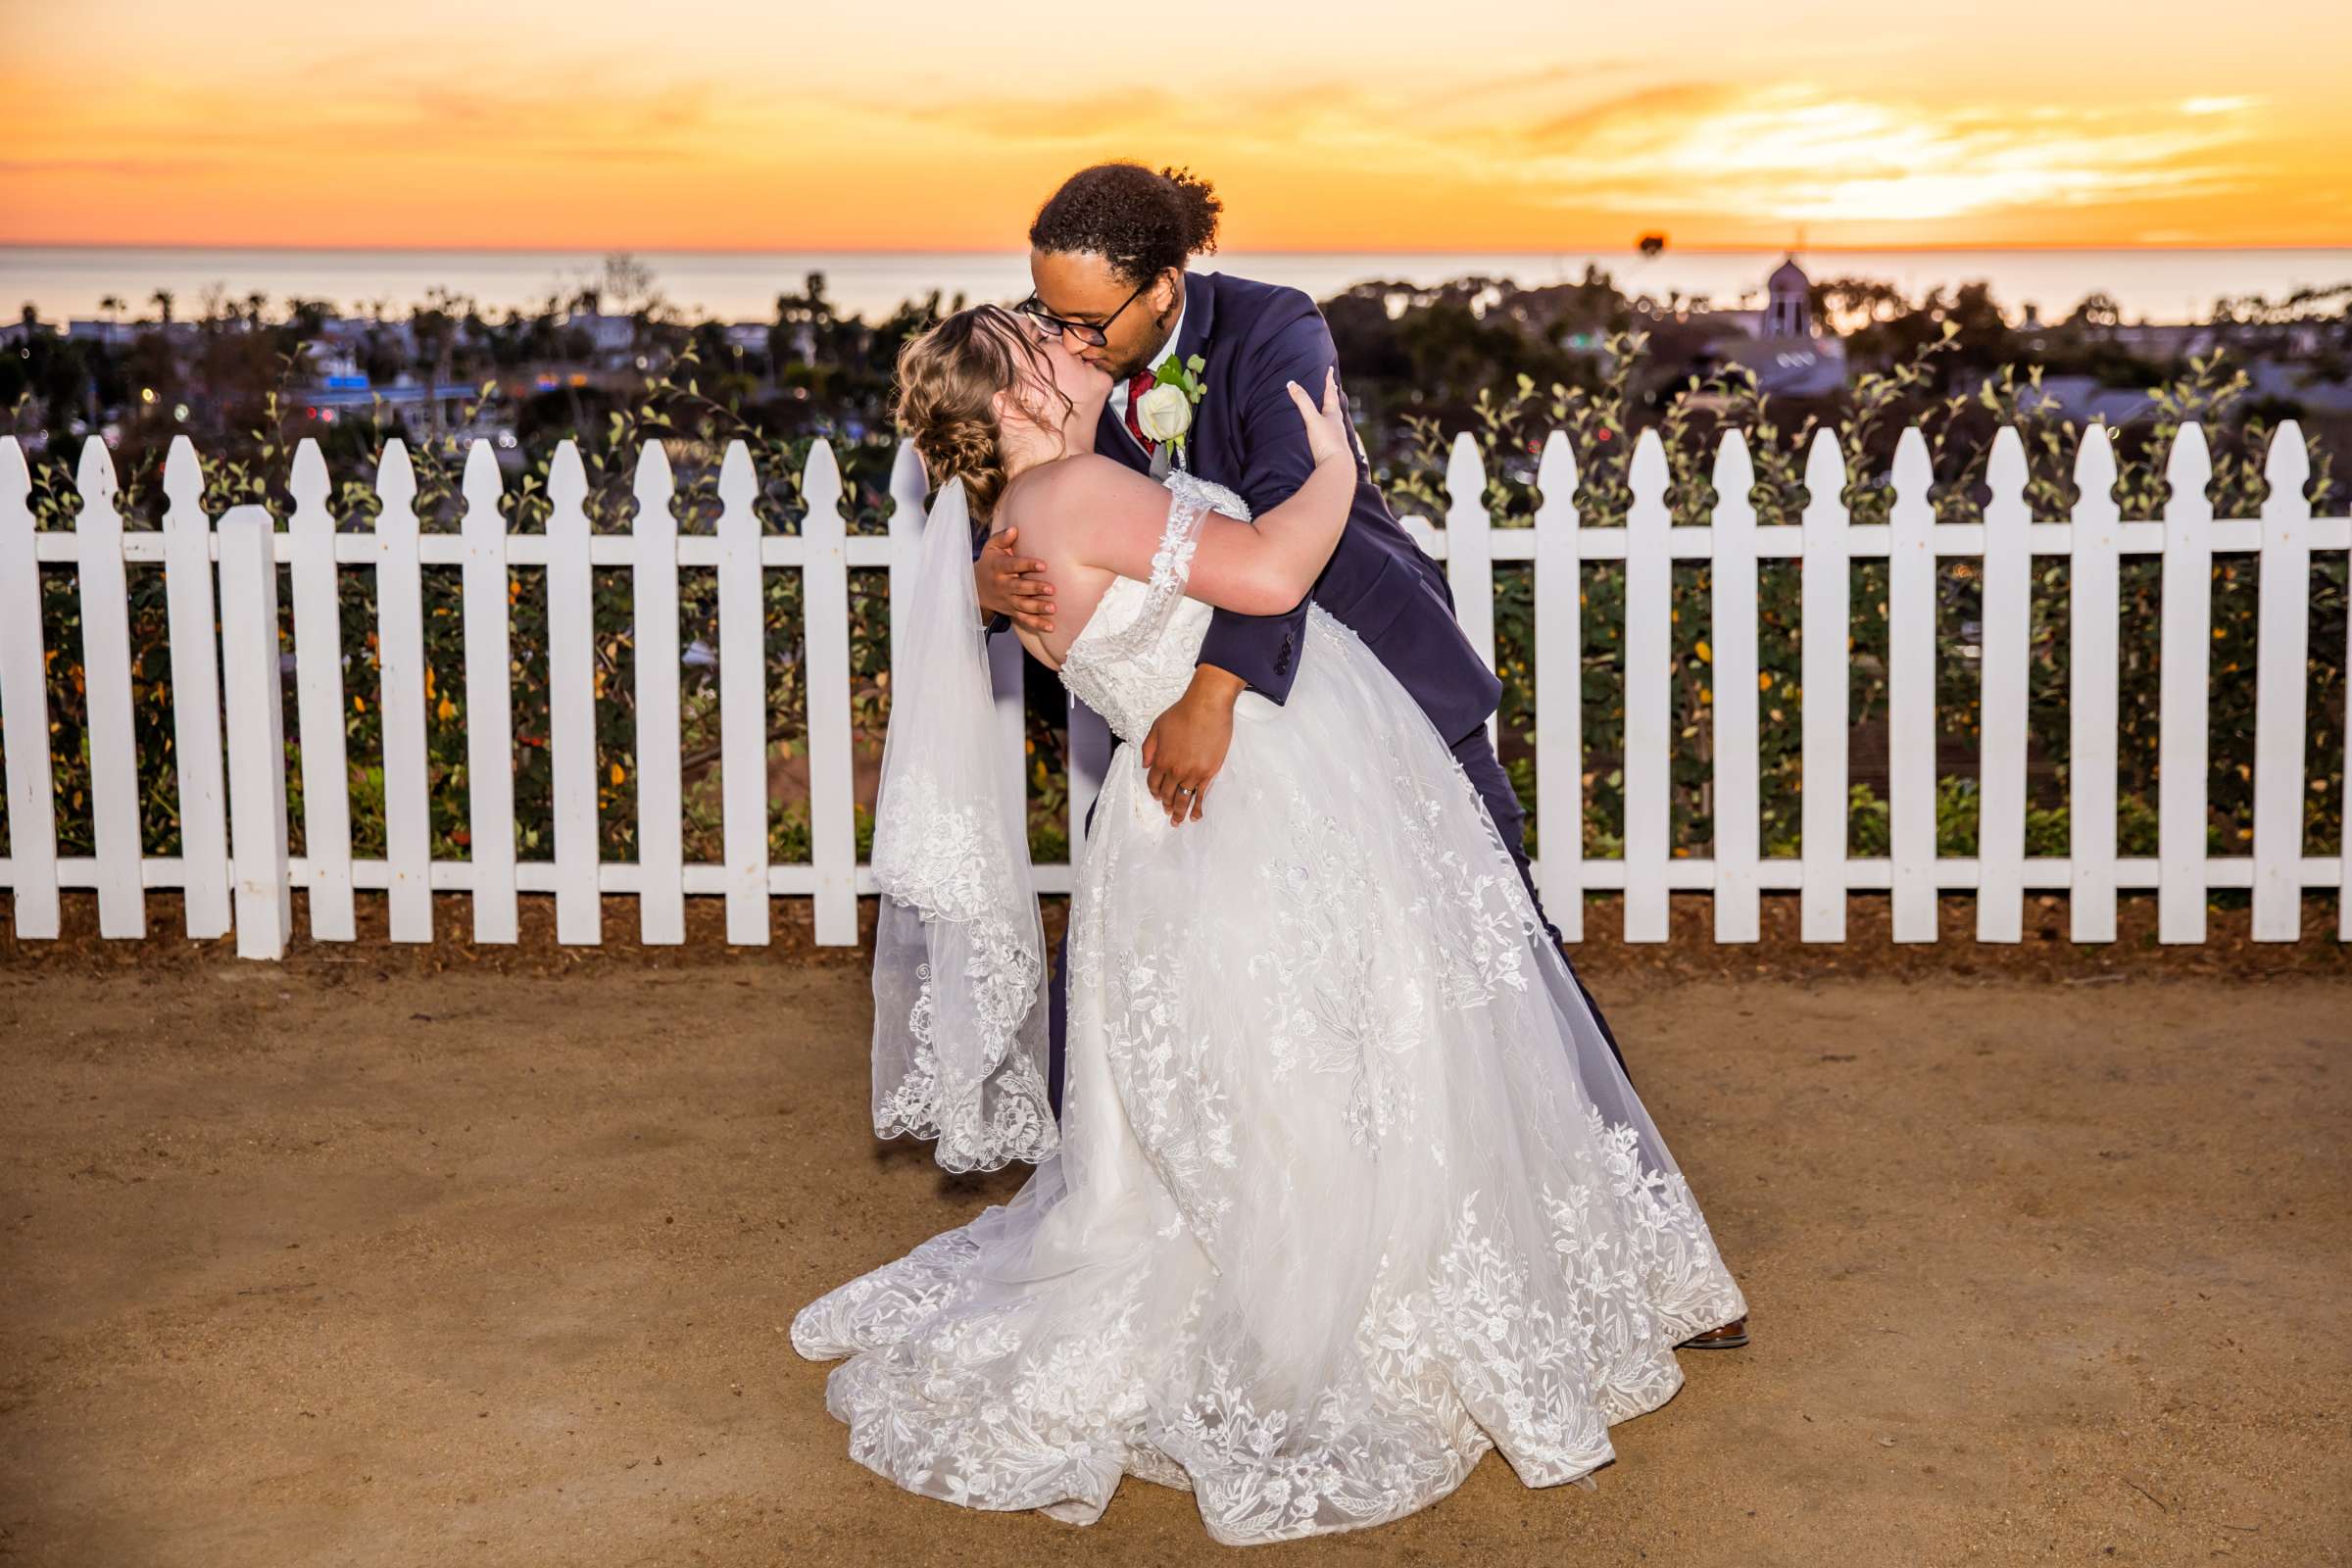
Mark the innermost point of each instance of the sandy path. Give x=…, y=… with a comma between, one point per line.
x=327, y=1264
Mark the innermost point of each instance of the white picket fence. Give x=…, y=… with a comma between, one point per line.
x=235, y=869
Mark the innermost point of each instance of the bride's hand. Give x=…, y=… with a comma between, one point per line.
x=1328, y=434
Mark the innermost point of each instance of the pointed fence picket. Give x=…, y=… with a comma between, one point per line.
x=1470, y=552
x=1732, y=669
x=106, y=671
x=1648, y=694
x=195, y=697
x=743, y=700
x=1826, y=608
x=825, y=601
x=1911, y=691
x=2282, y=658
x=253, y=689
x=2003, y=658
x=2184, y=714
x=654, y=647
x=489, y=702
x=229, y=759
x=571, y=700
x=24, y=708
x=1559, y=692
x=2091, y=668
x=319, y=704
x=400, y=651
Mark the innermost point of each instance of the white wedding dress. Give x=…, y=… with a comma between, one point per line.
x=1347, y=1187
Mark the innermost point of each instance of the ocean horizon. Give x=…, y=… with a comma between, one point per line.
x=69, y=281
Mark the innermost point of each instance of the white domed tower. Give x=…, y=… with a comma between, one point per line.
x=1789, y=309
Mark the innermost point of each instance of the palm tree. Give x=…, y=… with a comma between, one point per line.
x=112, y=306
x=163, y=303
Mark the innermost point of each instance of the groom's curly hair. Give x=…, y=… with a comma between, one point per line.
x=1140, y=222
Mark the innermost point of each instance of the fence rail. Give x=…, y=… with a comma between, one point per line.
x=229, y=755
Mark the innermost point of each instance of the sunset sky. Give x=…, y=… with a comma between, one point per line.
x=917, y=124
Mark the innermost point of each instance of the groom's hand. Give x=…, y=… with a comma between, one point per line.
x=1013, y=585
x=1188, y=743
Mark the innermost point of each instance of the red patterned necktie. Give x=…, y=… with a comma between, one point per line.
x=1142, y=382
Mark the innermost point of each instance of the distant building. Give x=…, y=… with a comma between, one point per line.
x=2296, y=383
x=107, y=334
x=1789, y=303
x=345, y=329
x=1790, y=356
x=607, y=334
x=349, y=333
x=335, y=364
x=2163, y=340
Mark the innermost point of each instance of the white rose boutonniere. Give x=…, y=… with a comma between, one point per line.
x=1165, y=412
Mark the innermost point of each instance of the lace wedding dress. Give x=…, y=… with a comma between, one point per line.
x=1347, y=1187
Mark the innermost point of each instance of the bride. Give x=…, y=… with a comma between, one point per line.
x=1347, y=1187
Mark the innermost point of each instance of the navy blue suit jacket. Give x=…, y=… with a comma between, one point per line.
x=1247, y=435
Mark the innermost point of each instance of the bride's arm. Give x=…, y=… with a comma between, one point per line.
x=1113, y=519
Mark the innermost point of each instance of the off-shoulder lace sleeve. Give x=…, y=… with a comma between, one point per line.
x=1190, y=501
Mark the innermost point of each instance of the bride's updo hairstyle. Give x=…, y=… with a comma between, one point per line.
x=947, y=379
x=1140, y=222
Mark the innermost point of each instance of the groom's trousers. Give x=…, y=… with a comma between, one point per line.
x=1477, y=755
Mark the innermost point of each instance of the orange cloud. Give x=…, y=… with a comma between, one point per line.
x=1374, y=141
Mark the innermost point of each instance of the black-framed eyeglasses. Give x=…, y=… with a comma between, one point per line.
x=1095, y=335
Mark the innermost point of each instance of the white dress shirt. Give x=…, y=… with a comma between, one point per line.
x=1119, y=389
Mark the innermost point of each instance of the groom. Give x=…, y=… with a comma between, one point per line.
x=1108, y=260
x=1108, y=257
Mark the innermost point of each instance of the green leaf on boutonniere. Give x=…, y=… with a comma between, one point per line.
x=1183, y=374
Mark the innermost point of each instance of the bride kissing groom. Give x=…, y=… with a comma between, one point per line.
x=1340, y=1181
x=1109, y=263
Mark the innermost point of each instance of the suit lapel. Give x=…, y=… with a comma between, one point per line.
x=1113, y=438
x=1200, y=323
x=1199, y=314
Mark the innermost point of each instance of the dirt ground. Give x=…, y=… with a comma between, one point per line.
x=397, y=1256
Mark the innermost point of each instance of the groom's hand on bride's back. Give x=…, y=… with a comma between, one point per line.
x=1012, y=585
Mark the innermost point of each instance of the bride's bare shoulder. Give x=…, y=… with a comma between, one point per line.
x=1090, y=473
x=1082, y=488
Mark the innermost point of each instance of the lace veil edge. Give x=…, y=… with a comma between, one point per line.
x=959, y=1045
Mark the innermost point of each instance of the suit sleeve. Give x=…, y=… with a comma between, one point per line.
x=1262, y=650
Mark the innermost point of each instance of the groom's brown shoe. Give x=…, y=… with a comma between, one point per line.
x=1729, y=1337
